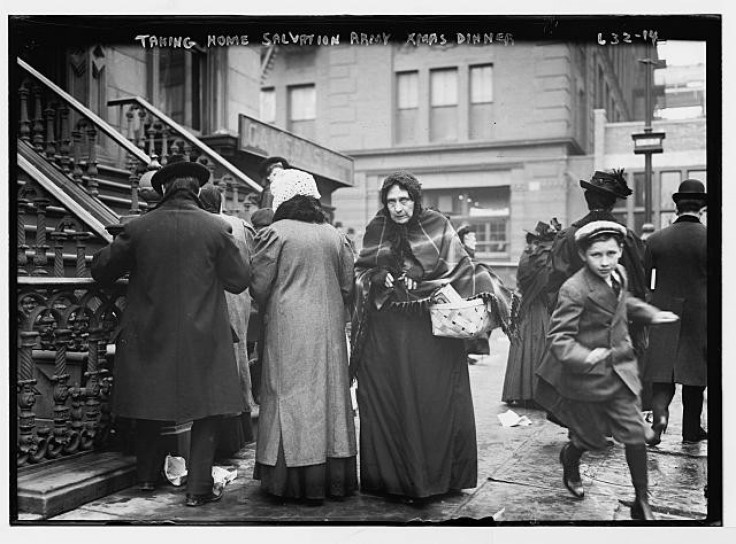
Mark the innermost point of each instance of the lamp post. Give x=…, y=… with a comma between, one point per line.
x=648, y=142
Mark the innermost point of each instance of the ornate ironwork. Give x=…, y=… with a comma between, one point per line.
x=64, y=318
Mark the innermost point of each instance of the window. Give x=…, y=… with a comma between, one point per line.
x=443, y=101
x=582, y=119
x=268, y=106
x=486, y=209
x=669, y=183
x=639, y=189
x=700, y=175
x=180, y=85
x=407, y=107
x=303, y=110
x=481, y=102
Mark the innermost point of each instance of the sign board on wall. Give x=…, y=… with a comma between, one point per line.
x=266, y=140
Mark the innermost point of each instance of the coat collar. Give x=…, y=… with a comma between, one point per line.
x=181, y=198
x=600, y=292
x=687, y=219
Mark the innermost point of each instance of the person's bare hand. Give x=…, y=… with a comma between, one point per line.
x=597, y=355
x=410, y=283
x=664, y=317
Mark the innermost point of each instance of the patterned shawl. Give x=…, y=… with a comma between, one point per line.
x=429, y=250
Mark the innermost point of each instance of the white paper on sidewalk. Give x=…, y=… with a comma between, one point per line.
x=175, y=470
x=224, y=475
x=511, y=419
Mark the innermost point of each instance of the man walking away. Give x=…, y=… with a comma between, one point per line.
x=174, y=356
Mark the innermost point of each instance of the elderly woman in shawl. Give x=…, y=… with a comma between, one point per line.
x=417, y=425
x=302, y=280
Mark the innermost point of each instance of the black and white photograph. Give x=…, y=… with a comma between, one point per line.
x=300, y=269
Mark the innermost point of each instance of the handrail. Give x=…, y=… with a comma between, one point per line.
x=81, y=108
x=185, y=134
x=66, y=200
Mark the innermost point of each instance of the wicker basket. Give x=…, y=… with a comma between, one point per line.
x=460, y=319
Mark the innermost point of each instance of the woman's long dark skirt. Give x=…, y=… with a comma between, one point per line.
x=417, y=425
x=337, y=477
x=526, y=354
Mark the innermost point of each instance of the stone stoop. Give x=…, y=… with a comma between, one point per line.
x=55, y=487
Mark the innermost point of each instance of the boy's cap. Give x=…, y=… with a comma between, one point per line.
x=594, y=228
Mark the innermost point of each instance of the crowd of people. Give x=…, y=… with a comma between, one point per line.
x=205, y=289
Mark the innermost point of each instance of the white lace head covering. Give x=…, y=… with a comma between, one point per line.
x=289, y=183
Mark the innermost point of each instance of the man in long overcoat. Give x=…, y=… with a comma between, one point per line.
x=174, y=357
x=676, y=265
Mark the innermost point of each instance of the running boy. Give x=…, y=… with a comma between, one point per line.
x=598, y=377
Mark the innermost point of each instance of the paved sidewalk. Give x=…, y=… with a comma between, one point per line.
x=519, y=480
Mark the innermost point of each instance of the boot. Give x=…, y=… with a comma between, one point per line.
x=636, y=457
x=662, y=396
x=570, y=459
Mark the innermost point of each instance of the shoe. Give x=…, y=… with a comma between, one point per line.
x=641, y=511
x=653, y=436
x=702, y=434
x=198, y=500
x=146, y=486
x=571, y=474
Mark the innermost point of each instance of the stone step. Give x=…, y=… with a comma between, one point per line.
x=51, y=488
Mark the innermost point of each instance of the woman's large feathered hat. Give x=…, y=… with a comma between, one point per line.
x=612, y=182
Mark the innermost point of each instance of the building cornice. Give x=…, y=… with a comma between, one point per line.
x=571, y=143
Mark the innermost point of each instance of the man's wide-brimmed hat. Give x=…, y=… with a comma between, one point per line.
x=613, y=183
x=179, y=166
x=594, y=228
x=690, y=189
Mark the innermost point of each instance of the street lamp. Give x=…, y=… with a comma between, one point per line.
x=647, y=143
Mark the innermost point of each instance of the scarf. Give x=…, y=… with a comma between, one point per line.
x=428, y=250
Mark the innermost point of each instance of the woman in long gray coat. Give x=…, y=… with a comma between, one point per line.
x=302, y=280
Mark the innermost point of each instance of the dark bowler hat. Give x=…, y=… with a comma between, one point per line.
x=179, y=166
x=613, y=183
x=690, y=189
x=268, y=162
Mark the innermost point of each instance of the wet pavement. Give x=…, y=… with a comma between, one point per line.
x=519, y=481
